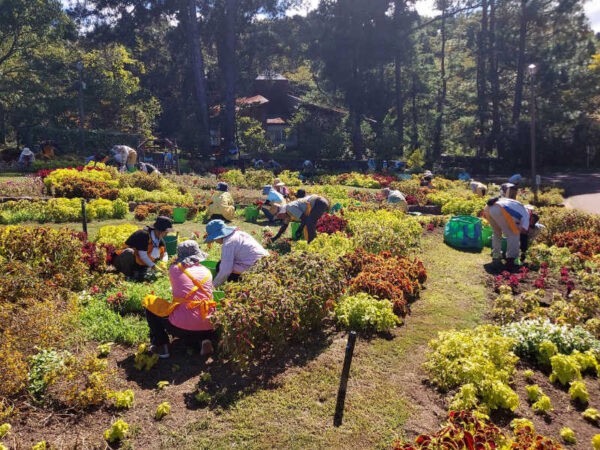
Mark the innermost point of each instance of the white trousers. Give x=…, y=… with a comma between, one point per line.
x=501, y=227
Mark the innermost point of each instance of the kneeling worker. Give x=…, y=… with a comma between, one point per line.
x=143, y=249
x=307, y=211
x=221, y=205
x=239, y=251
x=510, y=218
x=478, y=188
x=396, y=197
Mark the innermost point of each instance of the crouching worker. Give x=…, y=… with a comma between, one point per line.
x=188, y=315
x=478, y=188
x=306, y=210
x=239, y=251
x=221, y=205
x=396, y=197
x=507, y=217
x=143, y=249
x=274, y=200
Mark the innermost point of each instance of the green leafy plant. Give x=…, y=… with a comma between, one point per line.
x=332, y=246
x=162, y=410
x=143, y=359
x=122, y=399
x=543, y=405
x=161, y=385
x=568, y=435
x=202, y=398
x=578, y=392
x=533, y=393
x=104, y=349
x=43, y=366
x=42, y=445
x=596, y=442
x=364, y=312
x=117, y=432
x=481, y=357
x=568, y=368
x=591, y=415
x=4, y=429
x=528, y=374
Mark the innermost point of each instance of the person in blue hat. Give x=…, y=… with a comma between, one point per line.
x=239, y=250
x=221, y=205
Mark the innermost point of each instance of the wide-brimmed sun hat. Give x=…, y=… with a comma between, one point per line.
x=516, y=178
x=188, y=252
x=278, y=183
x=163, y=223
x=216, y=229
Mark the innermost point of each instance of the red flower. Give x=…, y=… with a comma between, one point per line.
x=539, y=283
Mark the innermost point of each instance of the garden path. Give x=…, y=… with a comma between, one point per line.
x=582, y=190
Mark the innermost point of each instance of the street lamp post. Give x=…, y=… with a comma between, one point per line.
x=79, y=66
x=532, y=69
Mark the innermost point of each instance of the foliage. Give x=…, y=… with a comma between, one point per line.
x=358, y=180
x=364, y=312
x=561, y=220
x=584, y=242
x=103, y=324
x=77, y=187
x=290, y=178
x=104, y=349
x=543, y=405
x=568, y=435
x=252, y=136
x=578, y=392
x=22, y=187
x=481, y=357
x=60, y=210
x=591, y=415
x=546, y=197
x=528, y=335
x=397, y=279
x=568, y=368
x=552, y=256
x=42, y=367
x=162, y=410
x=286, y=306
x=117, y=431
x=331, y=223
x=145, y=181
x=122, y=399
x=464, y=207
x=4, y=429
x=143, y=359
x=383, y=230
x=533, y=393
x=596, y=442
x=115, y=234
x=331, y=246
x=170, y=195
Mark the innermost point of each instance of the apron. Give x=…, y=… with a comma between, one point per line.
x=163, y=308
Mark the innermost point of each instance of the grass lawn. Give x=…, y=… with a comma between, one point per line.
x=384, y=384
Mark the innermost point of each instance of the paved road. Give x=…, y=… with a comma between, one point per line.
x=582, y=190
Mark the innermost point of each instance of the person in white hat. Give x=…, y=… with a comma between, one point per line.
x=508, y=190
x=26, y=158
x=426, y=179
x=125, y=156
x=478, y=188
x=395, y=197
x=280, y=187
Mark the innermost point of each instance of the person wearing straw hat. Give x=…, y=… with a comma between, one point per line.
x=280, y=187
x=143, y=249
x=221, y=205
x=26, y=158
x=239, y=251
x=188, y=315
x=426, y=179
x=508, y=190
x=395, y=197
x=307, y=211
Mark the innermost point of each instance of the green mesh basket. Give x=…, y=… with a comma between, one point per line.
x=464, y=232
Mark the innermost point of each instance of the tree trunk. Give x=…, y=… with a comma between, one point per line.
x=482, y=105
x=199, y=77
x=399, y=102
x=494, y=140
x=228, y=66
x=441, y=100
x=414, y=138
x=516, y=112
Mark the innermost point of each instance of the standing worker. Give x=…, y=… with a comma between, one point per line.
x=478, y=188
x=188, y=315
x=239, y=251
x=125, y=156
x=143, y=249
x=510, y=218
x=221, y=205
x=307, y=211
x=535, y=228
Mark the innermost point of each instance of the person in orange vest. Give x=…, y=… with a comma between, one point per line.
x=143, y=249
x=188, y=314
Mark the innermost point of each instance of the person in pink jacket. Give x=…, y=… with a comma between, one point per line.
x=192, y=306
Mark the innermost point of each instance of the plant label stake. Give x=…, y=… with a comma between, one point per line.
x=341, y=397
x=84, y=217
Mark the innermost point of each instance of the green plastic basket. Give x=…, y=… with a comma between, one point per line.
x=294, y=227
x=251, y=213
x=464, y=232
x=171, y=244
x=179, y=215
x=486, y=234
x=212, y=266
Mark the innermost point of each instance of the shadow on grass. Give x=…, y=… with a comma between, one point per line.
x=226, y=383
